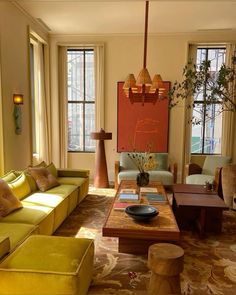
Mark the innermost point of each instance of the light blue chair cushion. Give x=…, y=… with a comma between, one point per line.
x=212, y=162
x=165, y=177
x=127, y=164
x=199, y=179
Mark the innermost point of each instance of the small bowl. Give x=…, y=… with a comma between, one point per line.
x=141, y=212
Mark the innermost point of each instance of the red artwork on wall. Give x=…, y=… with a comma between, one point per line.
x=142, y=125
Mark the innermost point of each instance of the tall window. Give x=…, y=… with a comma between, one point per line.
x=81, y=99
x=206, y=136
x=35, y=94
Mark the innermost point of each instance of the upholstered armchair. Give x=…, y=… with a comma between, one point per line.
x=209, y=172
x=164, y=172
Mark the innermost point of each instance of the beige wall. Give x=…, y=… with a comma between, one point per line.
x=15, y=79
x=167, y=55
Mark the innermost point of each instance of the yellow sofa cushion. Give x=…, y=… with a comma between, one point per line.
x=60, y=205
x=52, y=169
x=30, y=214
x=44, y=199
x=63, y=190
x=4, y=245
x=8, y=201
x=71, y=180
x=17, y=232
x=48, y=265
x=20, y=186
x=9, y=176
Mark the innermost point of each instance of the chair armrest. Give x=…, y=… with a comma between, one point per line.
x=218, y=181
x=192, y=168
x=73, y=173
x=117, y=170
x=173, y=168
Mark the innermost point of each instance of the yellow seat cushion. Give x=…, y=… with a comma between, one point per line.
x=67, y=190
x=60, y=205
x=32, y=214
x=45, y=199
x=48, y=265
x=63, y=190
x=17, y=232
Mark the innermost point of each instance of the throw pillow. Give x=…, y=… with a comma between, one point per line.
x=52, y=169
x=8, y=201
x=44, y=179
x=20, y=186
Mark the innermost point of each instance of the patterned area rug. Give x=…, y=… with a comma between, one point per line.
x=209, y=264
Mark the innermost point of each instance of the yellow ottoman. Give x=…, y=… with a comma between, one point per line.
x=48, y=265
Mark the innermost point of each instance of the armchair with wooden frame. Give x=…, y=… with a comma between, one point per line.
x=165, y=173
x=209, y=172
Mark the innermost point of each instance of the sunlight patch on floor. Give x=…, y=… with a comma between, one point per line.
x=85, y=232
x=109, y=192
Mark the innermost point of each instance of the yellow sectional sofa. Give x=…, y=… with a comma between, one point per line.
x=42, y=212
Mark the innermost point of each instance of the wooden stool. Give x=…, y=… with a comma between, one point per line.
x=166, y=263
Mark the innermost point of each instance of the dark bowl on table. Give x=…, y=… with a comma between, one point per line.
x=141, y=212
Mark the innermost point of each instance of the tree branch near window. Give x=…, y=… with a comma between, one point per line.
x=215, y=87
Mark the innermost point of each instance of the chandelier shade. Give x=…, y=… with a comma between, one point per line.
x=130, y=82
x=144, y=89
x=144, y=78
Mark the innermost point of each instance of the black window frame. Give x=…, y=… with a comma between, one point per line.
x=204, y=106
x=84, y=102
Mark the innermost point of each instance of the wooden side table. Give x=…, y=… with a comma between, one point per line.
x=205, y=209
x=166, y=261
x=100, y=175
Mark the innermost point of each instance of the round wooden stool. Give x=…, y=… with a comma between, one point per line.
x=166, y=263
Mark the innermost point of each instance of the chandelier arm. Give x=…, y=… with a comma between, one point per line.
x=145, y=35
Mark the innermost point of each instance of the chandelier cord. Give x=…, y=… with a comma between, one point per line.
x=145, y=35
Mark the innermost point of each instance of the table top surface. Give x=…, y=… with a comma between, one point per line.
x=161, y=227
x=199, y=200
x=192, y=188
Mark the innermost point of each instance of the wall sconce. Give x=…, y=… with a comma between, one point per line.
x=18, y=101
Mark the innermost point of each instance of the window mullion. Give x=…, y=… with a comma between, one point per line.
x=204, y=110
x=84, y=106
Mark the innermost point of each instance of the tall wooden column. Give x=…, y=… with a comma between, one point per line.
x=100, y=176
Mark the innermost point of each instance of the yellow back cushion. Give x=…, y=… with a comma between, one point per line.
x=20, y=186
x=52, y=169
x=9, y=176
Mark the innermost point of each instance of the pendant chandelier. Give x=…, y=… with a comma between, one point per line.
x=144, y=89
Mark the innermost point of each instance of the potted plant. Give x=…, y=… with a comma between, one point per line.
x=218, y=88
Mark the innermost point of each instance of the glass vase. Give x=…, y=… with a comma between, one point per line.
x=142, y=179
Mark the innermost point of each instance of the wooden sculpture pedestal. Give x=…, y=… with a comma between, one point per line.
x=100, y=176
x=166, y=261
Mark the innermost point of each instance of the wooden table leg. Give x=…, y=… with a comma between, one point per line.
x=202, y=222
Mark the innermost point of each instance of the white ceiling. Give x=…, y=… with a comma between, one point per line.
x=119, y=17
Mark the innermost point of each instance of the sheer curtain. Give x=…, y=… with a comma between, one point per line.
x=44, y=140
x=99, y=86
x=188, y=115
x=228, y=118
x=63, y=134
x=1, y=130
x=63, y=106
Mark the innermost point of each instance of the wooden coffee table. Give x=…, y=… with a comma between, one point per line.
x=136, y=237
x=195, y=206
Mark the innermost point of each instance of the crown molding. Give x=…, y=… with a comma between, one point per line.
x=30, y=17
